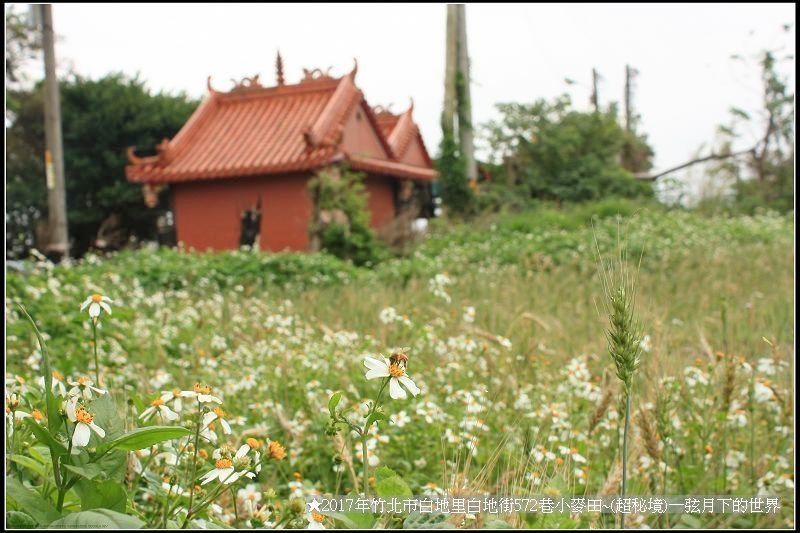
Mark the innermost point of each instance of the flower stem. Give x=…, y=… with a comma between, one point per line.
x=625, y=452
x=365, y=435
x=94, y=345
x=194, y=461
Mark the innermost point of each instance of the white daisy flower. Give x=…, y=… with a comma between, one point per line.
x=217, y=414
x=315, y=520
x=157, y=405
x=176, y=397
x=396, y=371
x=97, y=303
x=83, y=387
x=84, y=425
x=224, y=469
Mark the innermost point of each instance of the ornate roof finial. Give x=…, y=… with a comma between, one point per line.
x=279, y=69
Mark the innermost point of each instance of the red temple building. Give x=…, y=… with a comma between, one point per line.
x=257, y=147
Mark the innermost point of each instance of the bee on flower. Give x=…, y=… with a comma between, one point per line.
x=395, y=370
x=96, y=304
x=202, y=393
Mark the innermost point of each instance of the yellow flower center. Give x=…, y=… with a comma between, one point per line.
x=276, y=451
x=224, y=463
x=97, y=298
x=202, y=453
x=157, y=402
x=58, y=375
x=396, y=370
x=82, y=415
x=573, y=450
x=219, y=412
x=37, y=415
x=252, y=496
x=176, y=393
x=317, y=516
x=82, y=381
x=253, y=443
x=202, y=389
x=297, y=476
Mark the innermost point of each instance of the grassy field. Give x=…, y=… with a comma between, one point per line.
x=503, y=322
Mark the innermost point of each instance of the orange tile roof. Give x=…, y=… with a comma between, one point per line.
x=400, y=130
x=253, y=130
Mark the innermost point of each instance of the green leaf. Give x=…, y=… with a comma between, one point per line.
x=101, y=495
x=107, y=417
x=389, y=484
x=31, y=464
x=377, y=416
x=496, y=523
x=53, y=414
x=20, y=520
x=44, y=436
x=89, y=471
x=419, y=520
x=145, y=437
x=98, y=518
x=333, y=402
x=354, y=520
x=31, y=502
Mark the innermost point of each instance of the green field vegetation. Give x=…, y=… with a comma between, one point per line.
x=503, y=321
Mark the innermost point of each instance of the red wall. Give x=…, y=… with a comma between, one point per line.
x=381, y=200
x=208, y=213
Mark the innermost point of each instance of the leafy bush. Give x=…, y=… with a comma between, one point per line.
x=342, y=191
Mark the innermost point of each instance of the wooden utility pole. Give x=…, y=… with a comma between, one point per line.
x=594, y=99
x=465, y=134
x=54, y=155
x=451, y=66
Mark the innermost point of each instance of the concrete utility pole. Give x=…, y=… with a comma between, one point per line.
x=54, y=154
x=629, y=75
x=465, y=134
x=594, y=99
x=451, y=60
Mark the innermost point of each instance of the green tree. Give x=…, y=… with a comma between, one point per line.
x=551, y=152
x=100, y=120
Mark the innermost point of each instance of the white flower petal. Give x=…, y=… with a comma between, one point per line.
x=97, y=429
x=169, y=414
x=242, y=451
x=226, y=428
x=146, y=413
x=395, y=390
x=208, y=418
x=410, y=385
x=86, y=302
x=94, y=310
x=106, y=307
x=373, y=363
x=377, y=373
x=81, y=436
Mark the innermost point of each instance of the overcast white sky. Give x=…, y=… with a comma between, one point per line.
x=519, y=52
